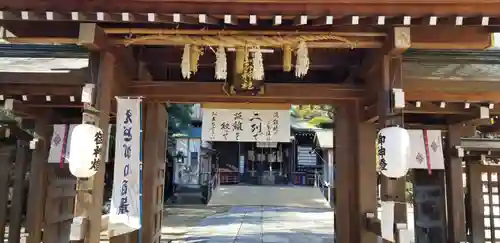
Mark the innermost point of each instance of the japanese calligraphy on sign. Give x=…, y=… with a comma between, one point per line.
x=126, y=195
x=381, y=151
x=246, y=125
x=98, y=139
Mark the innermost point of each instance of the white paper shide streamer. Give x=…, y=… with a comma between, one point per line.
x=302, y=62
x=387, y=221
x=186, y=62
x=220, y=64
x=258, y=65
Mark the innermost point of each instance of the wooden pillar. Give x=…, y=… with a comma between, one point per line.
x=391, y=77
x=6, y=152
x=23, y=156
x=345, y=171
x=454, y=186
x=38, y=179
x=475, y=191
x=367, y=177
x=153, y=172
x=90, y=206
x=104, y=88
x=355, y=175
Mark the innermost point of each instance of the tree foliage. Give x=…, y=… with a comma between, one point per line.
x=308, y=112
x=179, y=117
x=316, y=115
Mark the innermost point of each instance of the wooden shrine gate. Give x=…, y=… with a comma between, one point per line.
x=360, y=61
x=36, y=194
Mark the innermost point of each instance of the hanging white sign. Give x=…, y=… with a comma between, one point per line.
x=246, y=125
x=125, y=200
x=387, y=220
x=58, y=146
x=426, y=150
x=61, y=141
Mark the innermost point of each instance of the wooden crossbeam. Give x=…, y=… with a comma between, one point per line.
x=421, y=9
x=431, y=108
x=398, y=41
x=92, y=37
x=199, y=92
x=422, y=37
x=40, y=89
x=76, y=77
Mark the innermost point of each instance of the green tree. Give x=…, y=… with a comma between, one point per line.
x=179, y=117
x=308, y=112
x=316, y=115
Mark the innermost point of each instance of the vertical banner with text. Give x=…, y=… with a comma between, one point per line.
x=125, y=201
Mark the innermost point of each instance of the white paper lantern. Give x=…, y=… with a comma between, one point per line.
x=393, y=151
x=85, y=146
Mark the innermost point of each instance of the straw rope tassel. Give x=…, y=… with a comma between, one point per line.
x=258, y=65
x=195, y=53
x=185, y=63
x=287, y=58
x=302, y=63
x=240, y=59
x=220, y=64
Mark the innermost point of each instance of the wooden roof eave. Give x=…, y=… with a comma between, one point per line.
x=268, y=7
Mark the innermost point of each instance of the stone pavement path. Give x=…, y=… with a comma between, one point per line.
x=259, y=224
x=178, y=220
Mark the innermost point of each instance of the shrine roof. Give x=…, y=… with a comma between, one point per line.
x=456, y=65
x=250, y=13
x=265, y=7
x=41, y=65
x=41, y=58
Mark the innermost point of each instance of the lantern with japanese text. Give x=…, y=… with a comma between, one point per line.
x=393, y=151
x=85, y=150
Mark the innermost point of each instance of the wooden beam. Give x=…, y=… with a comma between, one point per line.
x=38, y=179
x=76, y=77
x=17, y=203
x=427, y=89
x=105, y=83
x=6, y=152
x=475, y=200
x=365, y=174
x=40, y=90
x=199, y=92
x=271, y=7
x=438, y=84
x=390, y=72
x=346, y=227
x=92, y=37
x=19, y=109
x=154, y=169
x=454, y=186
x=422, y=37
x=398, y=41
x=430, y=108
x=453, y=96
x=472, y=38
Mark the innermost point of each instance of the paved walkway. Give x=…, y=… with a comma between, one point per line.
x=246, y=224
x=280, y=196
x=271, y=214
